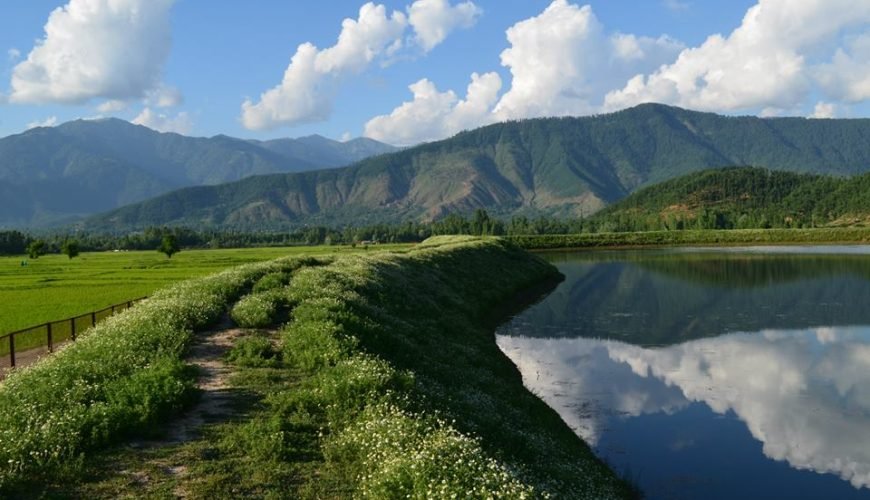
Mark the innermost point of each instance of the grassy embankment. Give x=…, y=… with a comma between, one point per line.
x=385, y=382
x=695, y=237
x=54, y=287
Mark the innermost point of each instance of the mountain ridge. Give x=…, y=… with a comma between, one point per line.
x=82, y=167
x=570, y=166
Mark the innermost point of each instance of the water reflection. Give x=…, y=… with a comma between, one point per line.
x=660, y=298
x=631, y=344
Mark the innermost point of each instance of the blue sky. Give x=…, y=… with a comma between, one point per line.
x=190, y=65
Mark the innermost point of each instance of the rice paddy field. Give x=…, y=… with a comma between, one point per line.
x=55, y=287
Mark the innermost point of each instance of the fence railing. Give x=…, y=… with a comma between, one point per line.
x=22, y=347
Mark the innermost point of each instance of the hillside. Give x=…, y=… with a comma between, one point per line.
x=51, y=174
x=743, y=197
x=556, y=166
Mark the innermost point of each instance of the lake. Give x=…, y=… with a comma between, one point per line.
x=710, y=373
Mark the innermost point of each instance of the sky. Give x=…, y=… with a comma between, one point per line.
x=410, y=71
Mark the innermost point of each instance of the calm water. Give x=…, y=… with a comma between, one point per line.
x=739, y=373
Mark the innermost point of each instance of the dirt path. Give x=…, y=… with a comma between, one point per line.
x=214, y=405
x=207, y=354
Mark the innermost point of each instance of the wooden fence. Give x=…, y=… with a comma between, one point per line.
x=22, y=347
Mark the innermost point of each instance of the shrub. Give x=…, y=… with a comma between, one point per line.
x=253, y=351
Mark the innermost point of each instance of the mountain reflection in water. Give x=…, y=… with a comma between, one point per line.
x=777, y=344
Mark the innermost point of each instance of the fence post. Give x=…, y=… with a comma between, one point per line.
x=72, y=329
x=93, y=318
x=12, y=350
x=50, y=340
x=113, y=310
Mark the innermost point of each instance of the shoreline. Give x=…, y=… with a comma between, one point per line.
x=706, y=238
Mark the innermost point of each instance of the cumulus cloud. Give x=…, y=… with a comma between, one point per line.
x=433, y=20
x=562, y=62
x=164, y=96
x=764, y=63
x=433, y=115
x=112, y=106
x=13, y=54
x=311, y=81
x=824, y=110
x=180, y=123
x=51, y=121
x=847, y=75
x=111, y=49
x=307, y=90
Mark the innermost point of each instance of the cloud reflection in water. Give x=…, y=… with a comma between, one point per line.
x=804, y=394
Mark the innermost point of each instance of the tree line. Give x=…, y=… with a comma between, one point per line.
x=480, y=223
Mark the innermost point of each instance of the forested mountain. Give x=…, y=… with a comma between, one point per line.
x=554, y=166
x=742, y=197
x=51, y=174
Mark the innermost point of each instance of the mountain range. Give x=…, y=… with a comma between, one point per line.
x=556, y=166
x=54, y=174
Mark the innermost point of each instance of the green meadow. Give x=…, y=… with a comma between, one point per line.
x=54, y=287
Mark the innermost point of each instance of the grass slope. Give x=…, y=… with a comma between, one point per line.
x=385, y=383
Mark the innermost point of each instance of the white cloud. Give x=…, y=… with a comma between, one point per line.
x=164, y=96
x=346, y=137
x=562, y=62
x=180, y=124
x=847, y=75
x=13, y=54
x=433, y=20
x=824, y=110
x=111, y=49
x=51, y=121
x=434, y=115
x=112, y=106
x=764, y=63
x=310, y=82
x=307, y=90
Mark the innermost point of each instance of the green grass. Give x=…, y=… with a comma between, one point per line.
x=54, y=287
x=123, y=378
x=694, y=237
x=385, y=383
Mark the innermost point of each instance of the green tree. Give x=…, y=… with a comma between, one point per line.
x=35, y=249
x=70, y=248
x=169, y=245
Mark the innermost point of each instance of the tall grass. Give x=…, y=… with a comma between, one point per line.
x=122, y=378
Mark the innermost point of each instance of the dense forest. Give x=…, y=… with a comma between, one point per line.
x=741, y=198
x=478, y=223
